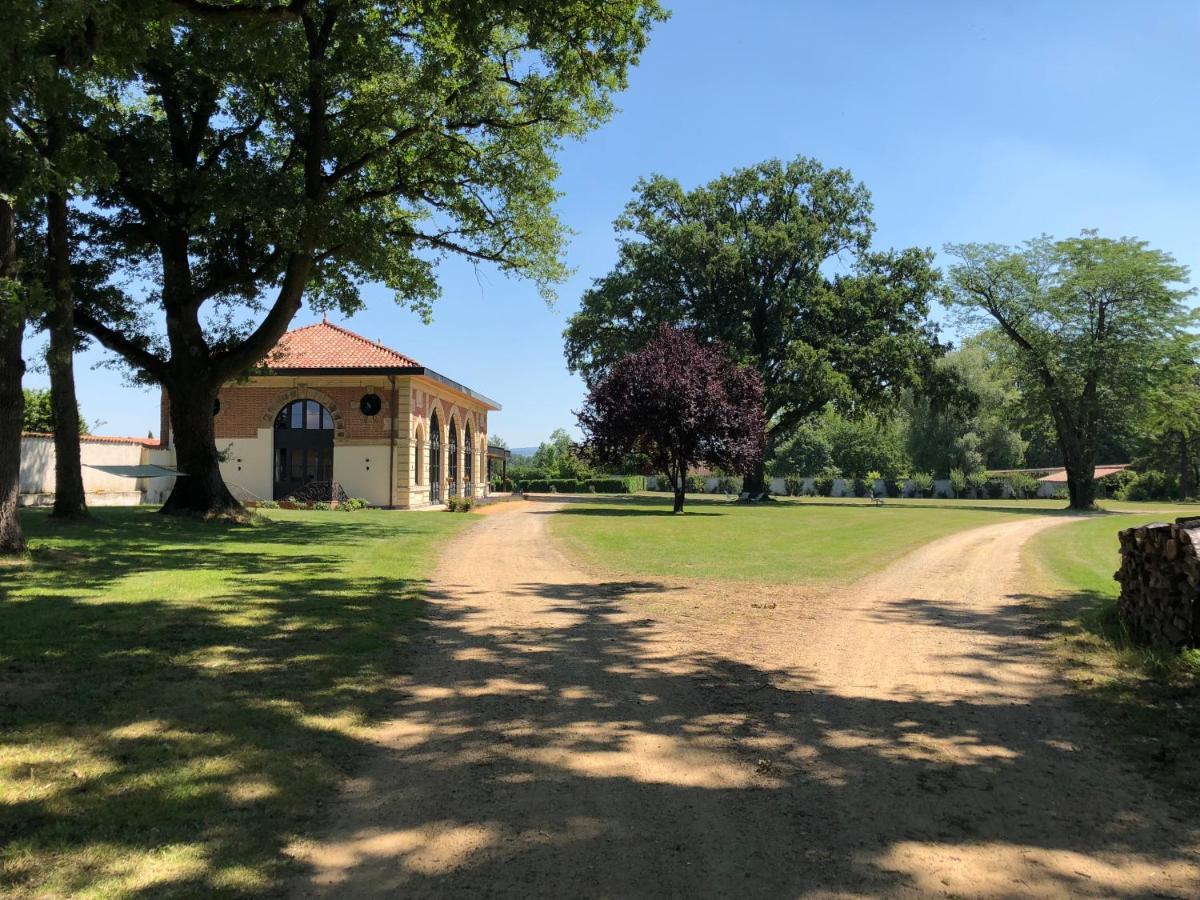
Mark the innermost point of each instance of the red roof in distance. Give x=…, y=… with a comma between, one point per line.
x=328, y=346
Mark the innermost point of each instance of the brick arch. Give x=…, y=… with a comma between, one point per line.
x=306, y=393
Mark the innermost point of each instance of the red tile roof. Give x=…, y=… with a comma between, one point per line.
x=328, y=346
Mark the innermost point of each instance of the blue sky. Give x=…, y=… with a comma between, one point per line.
x=967, y=121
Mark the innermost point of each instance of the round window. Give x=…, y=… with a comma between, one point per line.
x=370, y=404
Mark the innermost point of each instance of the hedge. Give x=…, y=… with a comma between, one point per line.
x=618, y=484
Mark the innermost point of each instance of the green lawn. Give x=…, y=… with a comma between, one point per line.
x=1148, y=700
x=177, y=698
x=810, y=541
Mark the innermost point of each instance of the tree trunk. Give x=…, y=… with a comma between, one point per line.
x=1187, y=484
x=12, y=401
x=200, y=490
x=755, y=481
x=1081, y=480
x=679, y=493
x=69, y=499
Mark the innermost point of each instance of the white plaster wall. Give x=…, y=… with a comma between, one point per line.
x=37, y=466
x=362, y=471
x=156, y=490
x=247, y=470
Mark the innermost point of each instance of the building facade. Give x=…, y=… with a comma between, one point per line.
x=333, y=413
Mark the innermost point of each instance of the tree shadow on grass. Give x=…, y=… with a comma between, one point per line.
x=175, y=705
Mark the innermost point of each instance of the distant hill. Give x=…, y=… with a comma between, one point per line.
x=523, y=451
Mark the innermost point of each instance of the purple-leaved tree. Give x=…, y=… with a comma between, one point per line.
x=679, y=403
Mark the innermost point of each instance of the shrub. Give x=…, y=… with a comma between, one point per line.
x=793, y=485
x=322, y=506
x=353, y=503
x=465, y=504
x=893, y=488
x=267, y=504
x=1024, y=485
x=922, y=483
x=694, y=484
x=727, y=485
x=552, y=488
x=1112, y=485
x=1152, y=485
x=824, y=485
x=860, y=487
x=977, y=483
x=616, y=484
x=995, y=488
x=958, y=482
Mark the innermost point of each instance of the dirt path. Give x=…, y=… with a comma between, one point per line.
x=566, y=735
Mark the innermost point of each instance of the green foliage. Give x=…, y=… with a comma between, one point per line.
x=694, y=484
x=793, y=485
x=742, y=259
x=559, y=458
x=552, y=486
x=628, y=484
x=1024, y=485
x=853, y=447
x=39, y=416
x=824, y=485
x=996, y=488
x=321, y=506
x=1112, y=485
x=729, y=485
x=804, y=451
x=977, y=483
x=1150, y=485
x=958, y=482
x=267, y=504
x=922, y=483
x=1091, y=327
x=460, y=504
x=352, y=504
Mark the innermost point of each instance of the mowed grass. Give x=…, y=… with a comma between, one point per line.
x=803, y=541
x=1148, y=700
x=177, y=699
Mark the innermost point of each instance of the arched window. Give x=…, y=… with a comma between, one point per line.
x=420, y=454
x=452, y=451
x=435, y=459
x=468, y=463
x=303, y=447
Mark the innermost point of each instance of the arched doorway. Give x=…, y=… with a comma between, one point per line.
x=452, y=450
x=435, y=459
x=303, y=448
x=468, y=463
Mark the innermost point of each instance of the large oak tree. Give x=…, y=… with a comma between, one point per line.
x=1094, y=328
x=775, y=261
x=265, y=151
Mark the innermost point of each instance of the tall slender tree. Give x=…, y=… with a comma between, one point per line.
x=1093, y=326
x=775, y=261
x=268, y=151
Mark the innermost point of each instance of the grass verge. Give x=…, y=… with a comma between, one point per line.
x=177, y=699
x=1147, y=700
x=800, y=541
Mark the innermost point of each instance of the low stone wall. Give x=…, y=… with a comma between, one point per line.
x=1160, y=583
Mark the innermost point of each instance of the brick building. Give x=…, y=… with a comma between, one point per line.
x=331, y=409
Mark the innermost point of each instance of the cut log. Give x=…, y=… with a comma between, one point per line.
x=1160, y=583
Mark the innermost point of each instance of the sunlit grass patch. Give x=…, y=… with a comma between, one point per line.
x=1149, y=699
x=176, y=698
x=801, y=541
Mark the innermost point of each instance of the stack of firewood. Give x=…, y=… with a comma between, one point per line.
x=1160, y=583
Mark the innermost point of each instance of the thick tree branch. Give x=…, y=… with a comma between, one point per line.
x=120, y=344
